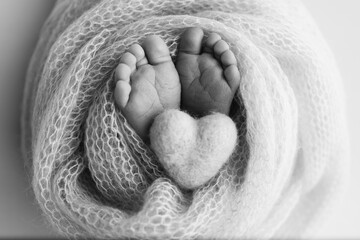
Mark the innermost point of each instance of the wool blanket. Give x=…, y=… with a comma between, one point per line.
x=94, y=177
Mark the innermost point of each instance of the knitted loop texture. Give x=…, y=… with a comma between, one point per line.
x=94, y=177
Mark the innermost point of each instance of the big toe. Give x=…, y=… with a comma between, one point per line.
x=191, y=41
x=156, y=50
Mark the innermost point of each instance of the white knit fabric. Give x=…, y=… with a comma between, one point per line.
x=94, y=177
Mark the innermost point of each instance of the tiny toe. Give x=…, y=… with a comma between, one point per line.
x=122, y=93
x=129, y=59
x=139, y=54
x=232, y=76
x=123, y=72
x=191, y=41
x=210, y=42
x=156, y=50
x=228, y=58
x=219, y=48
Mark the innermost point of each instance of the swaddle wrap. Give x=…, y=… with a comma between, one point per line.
x=94, y=177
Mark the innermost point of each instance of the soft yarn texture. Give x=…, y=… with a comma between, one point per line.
x=93, y=176
x=192, y=151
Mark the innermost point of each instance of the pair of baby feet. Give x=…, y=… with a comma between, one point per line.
x=203, y=80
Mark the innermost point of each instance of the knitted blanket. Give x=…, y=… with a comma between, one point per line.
x=94, y=177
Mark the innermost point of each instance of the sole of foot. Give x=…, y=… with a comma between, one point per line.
x=208, y=73
x=147, y=83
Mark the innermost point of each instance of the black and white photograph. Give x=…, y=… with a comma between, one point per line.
x=179, y=119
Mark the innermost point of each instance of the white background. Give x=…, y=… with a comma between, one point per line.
x=20, y=22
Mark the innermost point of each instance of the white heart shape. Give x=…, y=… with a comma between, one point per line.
x=192, y=151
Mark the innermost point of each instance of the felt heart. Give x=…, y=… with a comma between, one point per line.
x=192, y=150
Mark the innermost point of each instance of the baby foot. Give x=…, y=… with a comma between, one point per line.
x=208, y=73
x=147, y=84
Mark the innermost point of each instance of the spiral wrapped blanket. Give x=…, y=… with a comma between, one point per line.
x=94, y=177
